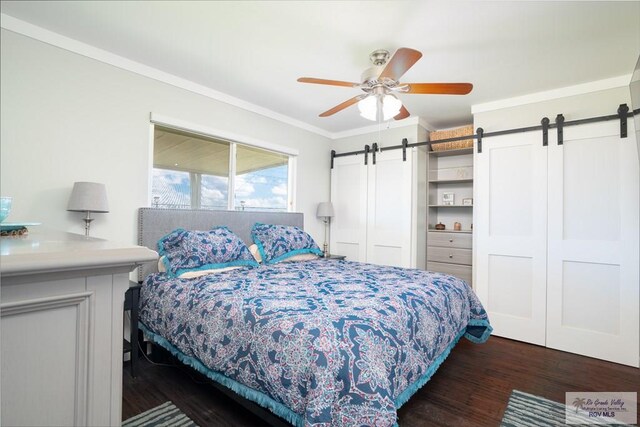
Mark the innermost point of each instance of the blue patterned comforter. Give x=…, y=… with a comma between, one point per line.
x=319, y=342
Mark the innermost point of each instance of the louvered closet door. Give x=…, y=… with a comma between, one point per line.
x=593, y=243
x=389, y=210
x=349, y=199
x=510, y=212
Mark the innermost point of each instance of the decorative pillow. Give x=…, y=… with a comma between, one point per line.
x=171, y=242
x=208, y=250
x=278, y=242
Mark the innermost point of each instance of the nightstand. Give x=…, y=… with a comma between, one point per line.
x=131, y=301
x=335, y=257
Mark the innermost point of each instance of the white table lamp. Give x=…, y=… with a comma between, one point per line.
x=88, y=197
x=325, y=211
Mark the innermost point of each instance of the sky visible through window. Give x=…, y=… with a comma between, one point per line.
x=264, y=189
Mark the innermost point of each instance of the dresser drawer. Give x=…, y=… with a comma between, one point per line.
x=460, y=271
x=449, y=255
x=449, y=240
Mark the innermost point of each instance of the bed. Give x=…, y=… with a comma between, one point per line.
x=318, y=342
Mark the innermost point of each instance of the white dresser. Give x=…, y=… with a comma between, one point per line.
x=61, y=309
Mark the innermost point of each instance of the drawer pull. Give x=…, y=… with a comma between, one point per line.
x=450, y=240
x=450, y=256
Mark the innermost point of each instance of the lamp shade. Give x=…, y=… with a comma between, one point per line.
x=325, y=210
x=390, y=107
x=369, y=107
x=88, y=197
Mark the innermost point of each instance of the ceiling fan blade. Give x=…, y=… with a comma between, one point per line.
x=327, y=82
x=342, y=106
x=403, y=114
x=439, y=88
x=402, y=60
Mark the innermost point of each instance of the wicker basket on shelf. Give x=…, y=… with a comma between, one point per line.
x=451, y=133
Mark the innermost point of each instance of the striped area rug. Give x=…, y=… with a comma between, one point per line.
x=166, y=414
x=528, y=410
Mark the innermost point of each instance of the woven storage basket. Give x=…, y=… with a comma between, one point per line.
x=451, y=133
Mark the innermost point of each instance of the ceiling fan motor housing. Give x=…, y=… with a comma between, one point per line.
x=379, y=57
x=371, y=74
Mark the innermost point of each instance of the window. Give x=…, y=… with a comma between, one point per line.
x=261, y=180
x=195, y=172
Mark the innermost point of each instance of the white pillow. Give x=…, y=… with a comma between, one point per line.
x=194, y=274
x=161, y=267
x=301, y=257
x=255, y=252
x=200, y=273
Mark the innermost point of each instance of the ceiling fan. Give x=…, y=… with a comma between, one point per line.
x=381, y=82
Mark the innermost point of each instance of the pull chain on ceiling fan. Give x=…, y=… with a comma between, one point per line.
x=381, y=82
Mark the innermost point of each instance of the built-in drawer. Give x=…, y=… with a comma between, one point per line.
x=460, y=271
x=449, y=255
x=449, y=240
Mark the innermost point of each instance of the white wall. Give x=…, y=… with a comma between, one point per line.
x=69, y=118
x=585, y=105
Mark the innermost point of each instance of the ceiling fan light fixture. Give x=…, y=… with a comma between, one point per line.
x=369, y=108
x=390, y=107
x=379, y=107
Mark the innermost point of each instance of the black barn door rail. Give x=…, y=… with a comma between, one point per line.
x=545, y=125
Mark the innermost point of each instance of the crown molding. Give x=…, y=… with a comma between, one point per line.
x=49, y=37
x=595, y=86
x=428, y=126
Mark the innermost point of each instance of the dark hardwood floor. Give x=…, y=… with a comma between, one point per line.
x=471, y=388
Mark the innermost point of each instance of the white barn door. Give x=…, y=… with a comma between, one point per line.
x=349, y=199
x=389, y=210
x=593, y=276
x=510, y=217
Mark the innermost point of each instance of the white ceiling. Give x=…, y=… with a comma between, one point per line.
x=255, y=50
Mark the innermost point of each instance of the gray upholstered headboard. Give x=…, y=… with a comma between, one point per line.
x=154, y=223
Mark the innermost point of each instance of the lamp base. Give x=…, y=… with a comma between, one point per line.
x=325, y=250
x=87, y=223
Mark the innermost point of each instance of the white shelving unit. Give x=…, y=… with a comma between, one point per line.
x=449, y=250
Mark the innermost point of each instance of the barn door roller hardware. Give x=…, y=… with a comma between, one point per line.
x=623, y=109
x=545, y=131
x=560, y=126
x=623, y=114
x=374, y=148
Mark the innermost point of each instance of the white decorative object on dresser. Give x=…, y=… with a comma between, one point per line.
x=61, y=306
x=380, y=207
x=450, y=193
x=557, y=242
